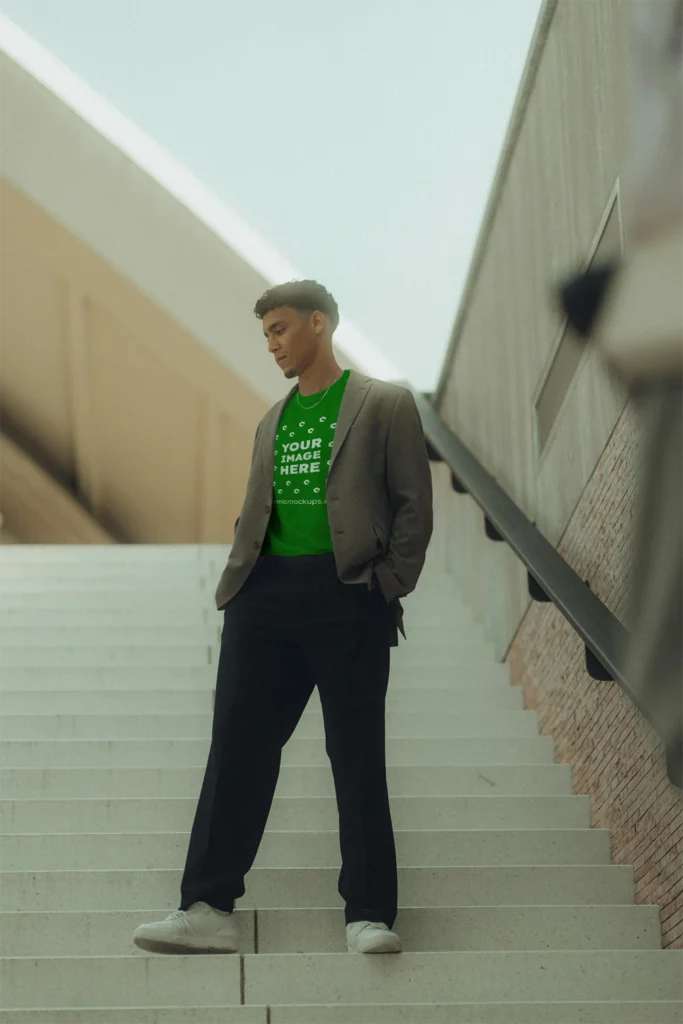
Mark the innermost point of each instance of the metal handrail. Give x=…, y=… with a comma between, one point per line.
x=604, y=636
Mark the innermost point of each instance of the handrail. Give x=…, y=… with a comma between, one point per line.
x=604, y=636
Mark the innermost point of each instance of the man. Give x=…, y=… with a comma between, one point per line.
x=333, y=531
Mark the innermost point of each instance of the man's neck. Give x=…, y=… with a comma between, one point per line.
x=317, y=379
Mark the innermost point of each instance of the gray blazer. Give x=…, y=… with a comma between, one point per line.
x=379, y=493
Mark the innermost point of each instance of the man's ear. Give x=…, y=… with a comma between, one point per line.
x=318, y=321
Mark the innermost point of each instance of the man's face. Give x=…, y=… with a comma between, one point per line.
x=292, y=338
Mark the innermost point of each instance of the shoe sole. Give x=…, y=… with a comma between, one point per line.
x=379, y=946
x=159, y=946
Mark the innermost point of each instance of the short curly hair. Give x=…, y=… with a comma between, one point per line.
x=303, y=296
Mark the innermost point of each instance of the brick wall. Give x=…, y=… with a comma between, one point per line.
x=616, y=758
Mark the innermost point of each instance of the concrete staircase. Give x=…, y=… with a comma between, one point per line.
x=511, y=912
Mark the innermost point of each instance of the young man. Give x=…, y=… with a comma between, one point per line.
x=333, y=531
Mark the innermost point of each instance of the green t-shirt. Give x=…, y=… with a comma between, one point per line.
x=303, y=449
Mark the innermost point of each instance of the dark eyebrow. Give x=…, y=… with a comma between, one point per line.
x=275, y=324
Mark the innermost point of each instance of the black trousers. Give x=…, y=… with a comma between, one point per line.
x=294, y=626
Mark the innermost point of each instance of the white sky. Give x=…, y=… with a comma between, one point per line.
x=358, y=137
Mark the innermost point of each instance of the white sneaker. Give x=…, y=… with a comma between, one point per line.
x=199, y=929
x=371, y=937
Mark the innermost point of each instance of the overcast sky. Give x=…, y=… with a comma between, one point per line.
x=358, y=137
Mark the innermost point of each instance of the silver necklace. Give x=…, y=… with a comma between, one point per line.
x=298, y=396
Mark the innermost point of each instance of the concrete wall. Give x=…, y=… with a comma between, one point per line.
x=155, y=432
x=548, y=212
x=37, y=509
x=555, y=202
x=616, y=757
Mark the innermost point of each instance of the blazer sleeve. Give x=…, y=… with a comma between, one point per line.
x=253, y=453
x=409, y=483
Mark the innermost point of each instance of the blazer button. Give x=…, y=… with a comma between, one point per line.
x=256, y=544
x=267, y=508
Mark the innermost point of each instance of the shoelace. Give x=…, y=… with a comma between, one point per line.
x=176, y=914
x=368, y=924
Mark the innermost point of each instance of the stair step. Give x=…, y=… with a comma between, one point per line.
x=58, y=617
x=35, y=597
x=98, y=554
x=204, y=677
x=119, y=980
x=142, y=1015
x=414, y=659
x=75, y=637
x=291, y=813
x=343, y=978
x=445, y=1013
x=179, y=752
x=427, y=676
x=567, y=1012
x=449, y=643
x=108, y=676
x=194, y=655
x=443, y=648
x=151, y=574
x=25, y=595
x=479, y=976
x=97, y=932
x=437, y=602
x=305, y=780
x=417, y=655
x=499, y=697
x=422, y=929
x=487, y=724
x=198, y=588
x=435, y=848
x=436, y=622
x=446, y=929
x=317, y=887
